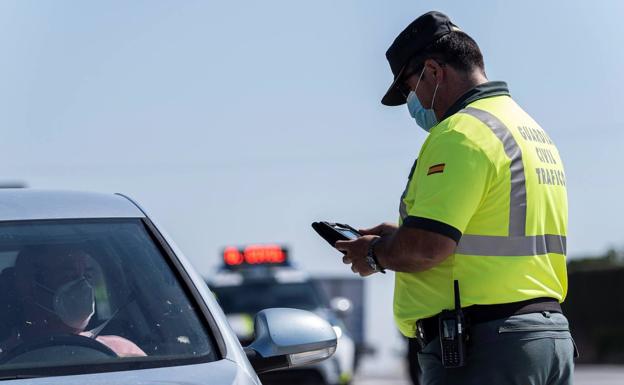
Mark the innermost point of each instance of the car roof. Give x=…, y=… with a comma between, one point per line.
x=30, y=204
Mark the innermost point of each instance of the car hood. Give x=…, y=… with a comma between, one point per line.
x=223, y=372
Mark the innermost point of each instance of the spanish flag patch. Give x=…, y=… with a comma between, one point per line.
x=436, y=169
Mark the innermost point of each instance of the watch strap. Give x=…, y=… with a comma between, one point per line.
x=371, y=253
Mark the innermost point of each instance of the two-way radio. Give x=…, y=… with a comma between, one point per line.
x=453, y=335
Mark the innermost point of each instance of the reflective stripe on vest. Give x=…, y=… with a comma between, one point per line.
x=517, y=198
x=513, y=246
x=517, y=243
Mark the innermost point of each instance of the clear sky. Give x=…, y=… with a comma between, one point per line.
x=236, y=122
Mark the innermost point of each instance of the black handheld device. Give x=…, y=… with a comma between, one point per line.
x=332, y=232
x=453, y=335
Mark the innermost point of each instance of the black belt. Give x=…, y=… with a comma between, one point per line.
x=427, y=329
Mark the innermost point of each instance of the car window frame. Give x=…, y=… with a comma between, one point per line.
x=193, y=291
x=135, y=363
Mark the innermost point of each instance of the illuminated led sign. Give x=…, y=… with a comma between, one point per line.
x=253, y=255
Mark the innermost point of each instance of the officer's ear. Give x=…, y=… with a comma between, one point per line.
x=435, y=70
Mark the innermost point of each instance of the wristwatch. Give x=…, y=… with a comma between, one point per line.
x=371, y=258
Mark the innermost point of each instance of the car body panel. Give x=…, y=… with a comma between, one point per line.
x=27, y=204
x=222, y=372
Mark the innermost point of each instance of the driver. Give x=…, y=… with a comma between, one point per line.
x=57, y=298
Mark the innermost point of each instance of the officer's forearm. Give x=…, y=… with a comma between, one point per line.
x=413, y=250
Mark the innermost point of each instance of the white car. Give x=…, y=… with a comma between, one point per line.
x=93, y=292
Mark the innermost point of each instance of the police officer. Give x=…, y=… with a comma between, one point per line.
x=485, y=205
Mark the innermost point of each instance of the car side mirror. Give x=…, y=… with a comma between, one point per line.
x=285, y=338
x=341, y=306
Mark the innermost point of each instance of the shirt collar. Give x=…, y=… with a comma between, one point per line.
x=484, y=90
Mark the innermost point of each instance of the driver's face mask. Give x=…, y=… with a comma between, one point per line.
x=73, y=302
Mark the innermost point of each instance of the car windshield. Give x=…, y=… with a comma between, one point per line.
x=250, y=298
x=101, y=292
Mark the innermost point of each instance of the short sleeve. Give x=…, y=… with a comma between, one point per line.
x=450, y=182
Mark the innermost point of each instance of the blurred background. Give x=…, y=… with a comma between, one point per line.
x=242, y=122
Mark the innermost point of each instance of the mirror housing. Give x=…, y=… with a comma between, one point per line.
x=285, y=338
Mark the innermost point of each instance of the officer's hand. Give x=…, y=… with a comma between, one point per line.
x=355, y=254
x=381, y=230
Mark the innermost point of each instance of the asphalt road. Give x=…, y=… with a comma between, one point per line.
x=585, y=375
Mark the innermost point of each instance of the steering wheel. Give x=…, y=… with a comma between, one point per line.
x=56, y=341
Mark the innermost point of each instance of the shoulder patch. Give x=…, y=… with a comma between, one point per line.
x=436, y=169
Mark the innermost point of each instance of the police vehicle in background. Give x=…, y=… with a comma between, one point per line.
x=256, y=277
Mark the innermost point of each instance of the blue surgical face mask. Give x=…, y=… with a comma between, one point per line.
x=425, y=117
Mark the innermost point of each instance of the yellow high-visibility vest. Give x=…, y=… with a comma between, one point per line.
x=492, y=174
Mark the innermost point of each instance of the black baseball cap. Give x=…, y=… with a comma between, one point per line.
x=419, y=34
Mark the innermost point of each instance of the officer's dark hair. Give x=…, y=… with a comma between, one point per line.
x=456, y=49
